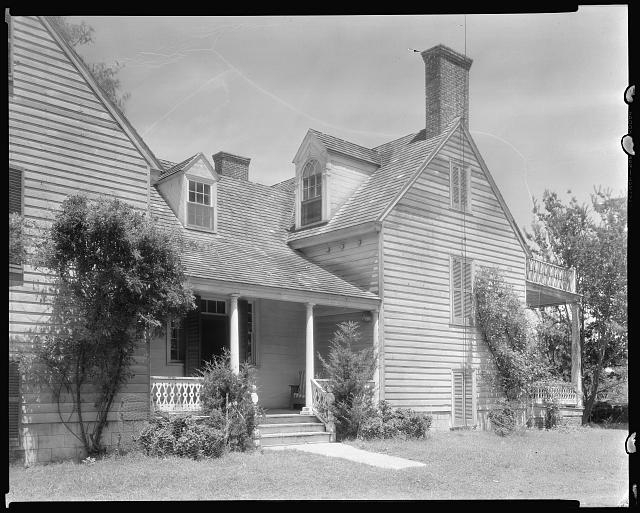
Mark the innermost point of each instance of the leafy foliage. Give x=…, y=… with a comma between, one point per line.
x=186, y=436
x=552, y=415
x=226, y=396
x=593, y=239
x=116, y=278
x=349, y=373
x=106, y=75
x=504, y=326
x=387, y=422
x=504, y=417
x=18, y=239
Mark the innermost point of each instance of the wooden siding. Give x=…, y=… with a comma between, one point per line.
x=65, y=141
x=281, y=350
x=354, y=259
x=345, y=176
x=158, y=364
x=420, y=234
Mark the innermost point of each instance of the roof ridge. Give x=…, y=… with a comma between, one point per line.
x=339, y=139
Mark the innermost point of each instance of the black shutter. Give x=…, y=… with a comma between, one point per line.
x=192, y=340
x=15, y=191
x=14, y=401
x=243, y=332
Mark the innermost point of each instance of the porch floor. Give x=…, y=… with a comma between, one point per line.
x=280, y=411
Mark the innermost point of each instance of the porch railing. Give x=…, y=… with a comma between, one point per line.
x=564, y=394
x=321, y=404
x=551, y=275
x=170, y=393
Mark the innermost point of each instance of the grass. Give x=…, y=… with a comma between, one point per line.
x=589, y=465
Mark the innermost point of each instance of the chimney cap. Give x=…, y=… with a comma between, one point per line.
x=449, y=54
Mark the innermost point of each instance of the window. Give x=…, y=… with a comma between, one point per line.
x=462, y=291
x=460, y=187
x=213, y=306
x=463, y=397
x=251, y=350
x=14, y=402
x=199, y=205
x=176, y=342
x=311, y=205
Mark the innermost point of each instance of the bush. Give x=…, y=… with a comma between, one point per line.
x=186, y=436
x=226, y=398
x=504, y=417
x=606, y=413
x=349, y=373
x=387, y=422
x=552, y=415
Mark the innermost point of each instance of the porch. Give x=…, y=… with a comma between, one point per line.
x=548, y=285
x=280, y=337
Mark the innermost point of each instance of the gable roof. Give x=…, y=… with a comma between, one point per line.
x=346, y=147
x=115, y=112
x=250, y=245
x=400, y=161
x=171, y=168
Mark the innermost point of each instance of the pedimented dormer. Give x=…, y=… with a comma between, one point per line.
x=191, y=190
x=328, y=172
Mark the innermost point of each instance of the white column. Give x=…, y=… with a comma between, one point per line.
x=576, y=353
x=309, y=361
x=376, y=350
x=233, y=335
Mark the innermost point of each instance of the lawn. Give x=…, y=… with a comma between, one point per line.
x=589, y=465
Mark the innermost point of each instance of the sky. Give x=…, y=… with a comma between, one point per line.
x=546, y=90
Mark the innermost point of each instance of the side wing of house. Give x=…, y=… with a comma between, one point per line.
x=63, y=139
x=434, y=359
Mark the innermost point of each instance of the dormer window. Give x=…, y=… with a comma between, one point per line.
x=311, y=205
x=199, y=205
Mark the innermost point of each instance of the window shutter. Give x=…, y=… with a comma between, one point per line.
x=458, y=401
x=463, y=398
x=243, y=332
x=468, y=292
x=14, y=401
x=455, y=186
x=464, y=187
x=456, y=286
x=192, y=341
x=15, y=191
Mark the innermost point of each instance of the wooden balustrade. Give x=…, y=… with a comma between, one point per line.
x=564, y=394
x=175, y=394
x=551, y=275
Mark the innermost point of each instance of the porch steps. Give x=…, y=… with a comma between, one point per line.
x=292, y=429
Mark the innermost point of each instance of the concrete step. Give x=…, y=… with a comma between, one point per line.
x=291, y=427
x=288, y=418
x=270, y=440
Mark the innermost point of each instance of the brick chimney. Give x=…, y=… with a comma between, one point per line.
x=446, y=87
x=231, y=165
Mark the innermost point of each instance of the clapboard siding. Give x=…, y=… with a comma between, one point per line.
x=354, y=259
x=158, y=364
x=281, y=329
x=65, y=141
x=344, y=178
x=422, y=231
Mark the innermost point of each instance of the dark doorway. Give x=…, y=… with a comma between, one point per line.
x=214, y=332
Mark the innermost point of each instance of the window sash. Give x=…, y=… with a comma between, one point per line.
x=250, y=342
x=176, y=342
x=200, y=215
x=311, y=211
x=199, y=193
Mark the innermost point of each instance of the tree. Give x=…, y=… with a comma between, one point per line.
x=594, y=241
x=78, y=34
x=117, y=278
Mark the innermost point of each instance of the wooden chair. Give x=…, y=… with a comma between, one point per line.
x=297, y=391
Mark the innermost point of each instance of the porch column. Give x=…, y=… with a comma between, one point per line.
x=375, y=315
x=233, y=335
x=576, y=357
x=309, y=366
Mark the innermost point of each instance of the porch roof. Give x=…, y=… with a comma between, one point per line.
x=250, y=247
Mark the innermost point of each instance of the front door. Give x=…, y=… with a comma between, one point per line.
x=214, y=334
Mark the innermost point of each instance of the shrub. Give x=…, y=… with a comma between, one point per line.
x=186, y=436
x=504, y=417
x=349, y=373
x=552, y=415
x=387, y=422
x=226, y=398
x=604, y=412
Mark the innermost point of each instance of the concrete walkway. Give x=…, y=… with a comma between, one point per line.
x=348, y=452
